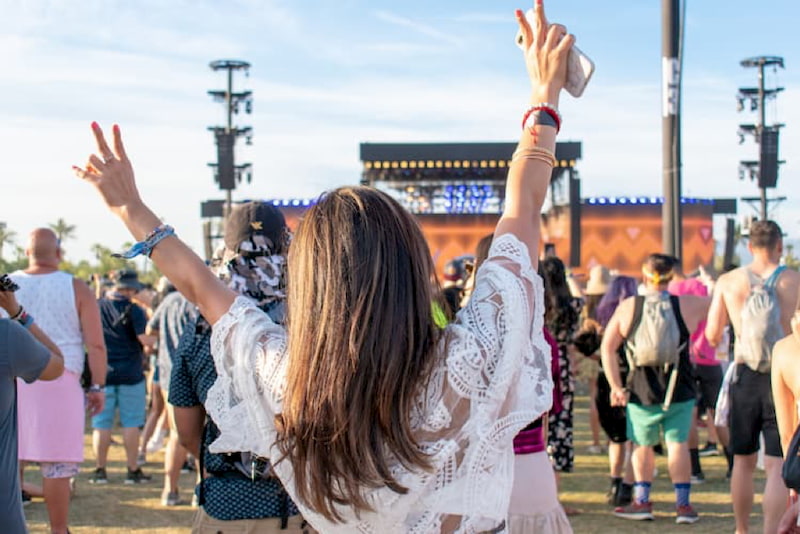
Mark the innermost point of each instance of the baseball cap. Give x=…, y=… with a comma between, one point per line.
x=252, y=219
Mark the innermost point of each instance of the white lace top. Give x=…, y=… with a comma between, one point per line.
x=492, y=379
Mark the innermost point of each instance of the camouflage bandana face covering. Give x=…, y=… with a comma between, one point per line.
x=254, y=271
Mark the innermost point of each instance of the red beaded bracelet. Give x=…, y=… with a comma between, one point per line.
x=547, y=108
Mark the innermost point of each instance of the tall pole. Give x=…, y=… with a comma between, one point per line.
x=762, y=120
x=671, y=127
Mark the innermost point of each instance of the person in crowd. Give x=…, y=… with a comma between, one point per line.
x=562, y=318
x=173, y=314
x=612, y=418
x=786, y=393
x=752, y=410
x=596, y=287
x=708, y=379
x=456, y=274
x=534, y=496
x=124, y=331
x=234, y=493
x=437, y=409
x=52, y=414
x=655, y=329
x=29, y=355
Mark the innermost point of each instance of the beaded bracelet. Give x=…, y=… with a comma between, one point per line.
x=547, y=108
x=25, y=319
x=146, y=247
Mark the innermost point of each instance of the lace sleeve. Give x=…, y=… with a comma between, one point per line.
x=496, y=379
x=499, y=356
x=249, y=353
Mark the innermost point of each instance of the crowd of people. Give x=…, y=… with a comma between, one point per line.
x=324, y=381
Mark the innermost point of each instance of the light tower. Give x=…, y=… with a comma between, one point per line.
x=226, y=172
x=765, y=168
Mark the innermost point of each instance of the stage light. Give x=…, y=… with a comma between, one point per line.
x=753, y=104
x=739, y=103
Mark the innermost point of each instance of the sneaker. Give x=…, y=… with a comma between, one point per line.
x=137, y=477
x=699, y=478
x=170, y=499
x=625, y=495
x=594, y=449
x=141, y=459
x=686, y=515
x=195, y=501
x=156, y=442
x=709, y=450
x=635, y=511
x=187, y=467
x=99, y=476
x=26, y=498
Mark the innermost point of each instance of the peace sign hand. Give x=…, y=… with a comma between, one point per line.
x=546, y=48
x=111, y=172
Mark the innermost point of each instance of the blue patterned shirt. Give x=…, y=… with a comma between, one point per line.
x=226, y=494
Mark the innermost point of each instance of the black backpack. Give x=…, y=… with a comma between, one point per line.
x=791, y=463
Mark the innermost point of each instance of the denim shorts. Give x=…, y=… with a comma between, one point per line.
x=131, y=402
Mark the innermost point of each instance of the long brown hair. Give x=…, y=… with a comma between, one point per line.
x=361, y=345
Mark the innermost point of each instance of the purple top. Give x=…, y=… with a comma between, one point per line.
x=531, y=439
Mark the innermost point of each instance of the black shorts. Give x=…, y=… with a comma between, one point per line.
x=708, y=379
x=752, y=412
x=612, y=418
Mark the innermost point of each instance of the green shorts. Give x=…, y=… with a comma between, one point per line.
x=644, y=423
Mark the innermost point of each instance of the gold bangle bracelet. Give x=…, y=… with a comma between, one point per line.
x=538, y=153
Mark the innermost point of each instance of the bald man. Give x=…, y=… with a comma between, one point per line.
x=51, y=414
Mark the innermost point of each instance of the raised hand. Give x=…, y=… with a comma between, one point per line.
x=110, y=171
x=546, y=48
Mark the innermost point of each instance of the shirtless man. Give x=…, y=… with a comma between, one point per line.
x=752, y=409
x=786, y=393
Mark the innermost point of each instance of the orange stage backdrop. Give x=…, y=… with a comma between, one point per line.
x=617, y=236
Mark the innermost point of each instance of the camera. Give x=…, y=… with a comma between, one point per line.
x=7, y=284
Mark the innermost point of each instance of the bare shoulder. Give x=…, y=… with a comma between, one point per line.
x=731, y=279
x=82, y=290
x=786, y=352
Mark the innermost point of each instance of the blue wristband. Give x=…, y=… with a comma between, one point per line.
x=25, y=319
x=146, y=247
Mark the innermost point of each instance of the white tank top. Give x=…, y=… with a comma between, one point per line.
x=50, y=299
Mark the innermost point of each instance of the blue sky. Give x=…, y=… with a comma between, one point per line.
x=329, y=75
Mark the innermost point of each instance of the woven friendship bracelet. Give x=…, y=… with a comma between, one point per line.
x=146, y=247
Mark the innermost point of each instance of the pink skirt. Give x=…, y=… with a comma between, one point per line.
x=51, y=417
x=534, y=506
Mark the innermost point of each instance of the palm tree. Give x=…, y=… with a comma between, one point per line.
x=6, y=237
x=63, y=230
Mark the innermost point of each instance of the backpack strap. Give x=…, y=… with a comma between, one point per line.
x=676, y=309
x=638, y=309
x=773, y=278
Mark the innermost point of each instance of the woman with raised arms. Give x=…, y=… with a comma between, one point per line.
x=375, y=419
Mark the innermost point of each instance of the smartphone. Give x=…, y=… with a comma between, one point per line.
x=579, y=67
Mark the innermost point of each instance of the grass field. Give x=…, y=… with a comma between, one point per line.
x=117, y=508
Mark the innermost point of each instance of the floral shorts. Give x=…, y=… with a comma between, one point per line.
x=59, y=469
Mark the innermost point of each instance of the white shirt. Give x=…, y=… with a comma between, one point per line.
x=491, y=380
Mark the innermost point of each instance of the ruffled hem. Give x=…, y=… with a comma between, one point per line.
x=553, y=522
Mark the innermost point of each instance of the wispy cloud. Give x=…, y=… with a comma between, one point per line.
x=418, y=27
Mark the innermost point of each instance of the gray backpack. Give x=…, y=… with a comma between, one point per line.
x=760, y=323
x=656, y=338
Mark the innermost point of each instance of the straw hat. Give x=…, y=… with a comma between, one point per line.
x=599, y=278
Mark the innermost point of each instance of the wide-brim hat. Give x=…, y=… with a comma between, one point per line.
x=599, y=280
x=127, y=279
